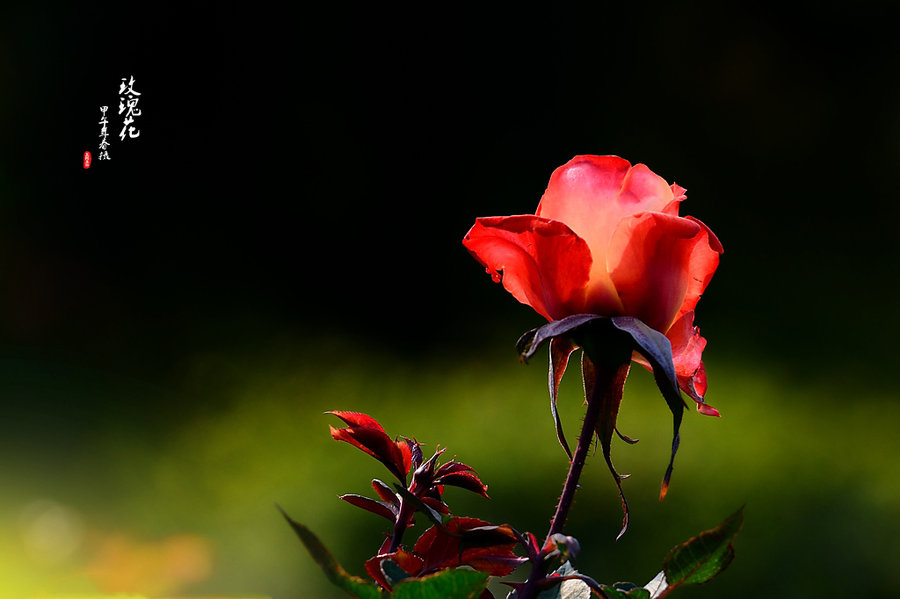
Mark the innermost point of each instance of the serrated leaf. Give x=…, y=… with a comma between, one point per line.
x=612, y=592
x=447, y=584
x=631, y=590
x=333, y=570
x=701, y=558
x=469, y=542
x=464, y=480
x=383, y=509
x=366, y=434
x=385, y=492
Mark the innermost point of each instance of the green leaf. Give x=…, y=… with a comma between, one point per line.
x=625, y=590
x=333, y=570
x=446, y=584
x=612, y=592
x=701, y=558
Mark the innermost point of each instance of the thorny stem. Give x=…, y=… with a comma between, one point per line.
x=611, y=372
x=575, y=468
x=568, y=494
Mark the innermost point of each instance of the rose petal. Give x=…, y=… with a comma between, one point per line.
x=645, y=191
x=649, y=262
x=591, y=194
x=679, y=194
x=541, y=262
x=687, y=355
x=687, y=345
x=702, y=263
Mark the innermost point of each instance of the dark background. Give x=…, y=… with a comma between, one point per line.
x=308, y=173
x=318, y=168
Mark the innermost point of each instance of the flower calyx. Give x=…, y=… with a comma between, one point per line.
x=608, y=344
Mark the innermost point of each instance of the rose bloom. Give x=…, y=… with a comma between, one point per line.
x=607, y=239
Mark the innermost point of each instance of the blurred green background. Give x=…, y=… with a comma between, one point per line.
x=284, y=239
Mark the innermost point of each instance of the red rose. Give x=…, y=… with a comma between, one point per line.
x=607, y=239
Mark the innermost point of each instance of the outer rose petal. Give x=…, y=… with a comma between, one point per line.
x=702, y=264
x=650, y=260
x=541, y=262
x=680, y=195
x=687, y=354
x=592, y=194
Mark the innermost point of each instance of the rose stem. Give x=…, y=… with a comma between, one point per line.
x=575, y=468
x=607, y=389
x=401, y=524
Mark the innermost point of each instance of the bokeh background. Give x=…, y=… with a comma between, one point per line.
x=284, y=238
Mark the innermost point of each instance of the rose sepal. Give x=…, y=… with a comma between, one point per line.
x=605, y=338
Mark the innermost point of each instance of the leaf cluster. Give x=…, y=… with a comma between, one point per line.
x=456, y=556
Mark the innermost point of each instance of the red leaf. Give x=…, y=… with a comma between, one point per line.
x=410, y=563
x=465, y=480
x=376, y=507
x=469, y=542
x=357, y=419
x=366, y=434
x=453, y=467
x=385, y=492
x=436, y=504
